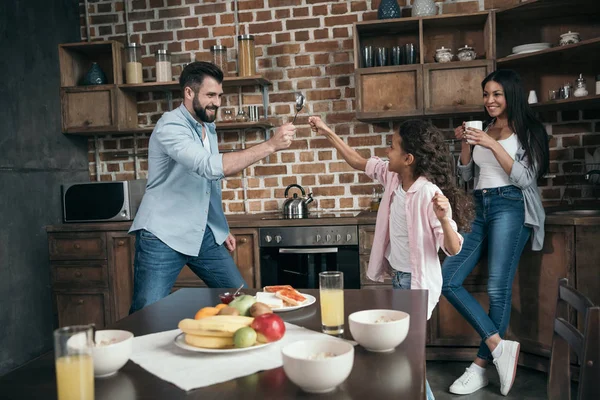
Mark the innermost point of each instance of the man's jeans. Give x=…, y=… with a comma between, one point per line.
x=157, y=267
x=401, y=280
x=499, y=227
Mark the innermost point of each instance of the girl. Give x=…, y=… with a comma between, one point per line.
x=505, y=161
x=414, y=218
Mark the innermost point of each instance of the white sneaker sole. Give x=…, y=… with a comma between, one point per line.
x=515, y=356
x=464, y=390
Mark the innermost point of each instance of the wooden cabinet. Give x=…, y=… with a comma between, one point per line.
x=366, y=234
x=423, y=87
x=92, y=276
x=246, y=257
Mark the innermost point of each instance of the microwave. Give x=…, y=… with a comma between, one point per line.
x=102, y=201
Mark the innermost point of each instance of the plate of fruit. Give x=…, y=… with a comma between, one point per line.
x=240, y=326
x=284, y=298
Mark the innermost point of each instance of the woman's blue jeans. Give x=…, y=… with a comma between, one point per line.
x=156, y=267
x=401, y=280
x=499, y=227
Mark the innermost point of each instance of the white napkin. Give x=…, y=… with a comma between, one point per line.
x=158, y=354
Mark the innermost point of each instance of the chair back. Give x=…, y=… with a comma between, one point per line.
x=585, y=345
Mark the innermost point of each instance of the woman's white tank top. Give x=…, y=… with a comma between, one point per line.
x=491, y=174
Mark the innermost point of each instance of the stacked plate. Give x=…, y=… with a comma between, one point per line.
x=530, y=48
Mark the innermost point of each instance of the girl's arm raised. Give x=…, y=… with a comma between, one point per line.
x=351, y=156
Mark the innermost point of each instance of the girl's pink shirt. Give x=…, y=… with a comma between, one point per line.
x=425, y=233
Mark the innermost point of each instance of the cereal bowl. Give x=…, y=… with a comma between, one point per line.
x=318, y=366
x=112, y=351
x=379, y=330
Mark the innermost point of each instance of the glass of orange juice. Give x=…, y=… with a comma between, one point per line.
x=331, y=292
x=74, y=364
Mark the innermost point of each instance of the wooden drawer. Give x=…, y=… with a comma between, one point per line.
x=366, y=234
x=77, y=246
x=79, y=274
x=82, y=308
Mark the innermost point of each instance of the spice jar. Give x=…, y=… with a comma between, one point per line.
x=246, y=56
x=580, y=87
x=163, y=66
x=133, y=68
x=219, y=57
x=227, y=116
x=241, y=116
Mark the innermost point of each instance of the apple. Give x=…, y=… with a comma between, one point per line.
x=268, y=327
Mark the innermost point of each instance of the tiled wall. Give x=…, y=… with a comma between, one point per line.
x=301, y=45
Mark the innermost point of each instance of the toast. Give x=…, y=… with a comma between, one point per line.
x=291, y=297
x=273, y=289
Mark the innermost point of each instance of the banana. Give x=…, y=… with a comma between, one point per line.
x=209, y=342
x=216, y=326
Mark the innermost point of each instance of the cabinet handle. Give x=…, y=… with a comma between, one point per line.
x=77, y=246
x=243, y=240
x=80, y=302
x=78, y=274
x=388, y=106
x=120, y=243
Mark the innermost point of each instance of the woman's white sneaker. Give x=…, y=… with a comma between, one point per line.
x=469, y=382
x=506, y=365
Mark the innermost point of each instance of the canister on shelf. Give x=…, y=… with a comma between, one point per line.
x=246, y=56
x=133, y=68
x=163, y=66
x=219, y=57
x=597, y=84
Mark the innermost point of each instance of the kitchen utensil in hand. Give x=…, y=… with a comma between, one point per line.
x=299, y=104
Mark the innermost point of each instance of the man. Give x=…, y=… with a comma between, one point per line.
x=181, y=219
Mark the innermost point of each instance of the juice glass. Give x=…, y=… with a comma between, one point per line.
x=74, y=364
x=331, y=292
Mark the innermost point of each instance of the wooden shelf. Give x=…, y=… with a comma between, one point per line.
x=537, y=10
x=573, y=103
x=572, y=52
x=221, y=126
x=174, y=86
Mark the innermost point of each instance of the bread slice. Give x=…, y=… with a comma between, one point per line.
x=292, y=297
x=273, y=289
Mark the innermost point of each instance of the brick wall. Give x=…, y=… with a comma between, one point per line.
x=301, y=45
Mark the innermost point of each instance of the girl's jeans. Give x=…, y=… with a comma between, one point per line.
x=401, y=280
x=499, y=226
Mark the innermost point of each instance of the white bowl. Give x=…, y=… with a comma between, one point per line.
x=112, y=351
x=320, y=375
x=379, y=336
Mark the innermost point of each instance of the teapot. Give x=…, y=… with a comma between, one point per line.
x=443, y=55
x=296, y=207
x=466, y=53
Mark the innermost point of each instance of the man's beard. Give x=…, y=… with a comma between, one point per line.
x=201, y=111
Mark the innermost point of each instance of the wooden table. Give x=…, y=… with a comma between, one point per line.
x=400, y=374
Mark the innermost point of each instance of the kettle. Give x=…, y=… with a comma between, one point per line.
x=296, y=207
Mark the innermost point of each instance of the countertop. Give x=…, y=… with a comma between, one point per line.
x=260, y=220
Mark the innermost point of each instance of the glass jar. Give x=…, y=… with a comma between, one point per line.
x=227, y=116
x=597, y=84
x=133, y=68
x=246, y=56
x=163, y=66
x=580, y=87
x=219, y=57
x=241, y=116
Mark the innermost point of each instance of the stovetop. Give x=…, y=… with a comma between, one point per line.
x=316, y=215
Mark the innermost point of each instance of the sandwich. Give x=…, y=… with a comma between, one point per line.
x=291, y=297
x=273, y=289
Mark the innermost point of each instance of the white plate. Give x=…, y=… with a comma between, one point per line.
x=180, y=342
x=530, y=46
x=309, y=301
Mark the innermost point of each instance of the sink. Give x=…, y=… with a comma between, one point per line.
x=578, y=213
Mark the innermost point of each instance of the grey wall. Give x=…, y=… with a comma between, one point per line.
x=35, y=158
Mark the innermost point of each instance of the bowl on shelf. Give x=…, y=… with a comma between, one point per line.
x=318, y=366
x=379, y=330
x=112, y=351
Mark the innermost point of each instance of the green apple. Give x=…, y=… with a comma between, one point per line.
x=243, y=304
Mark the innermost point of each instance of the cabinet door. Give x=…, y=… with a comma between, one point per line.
x=246, y=255
x=387, y=92
x=121, y=251
x=588, y=253
x=455, y=87
x=80, y=308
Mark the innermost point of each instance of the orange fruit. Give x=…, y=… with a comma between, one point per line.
x=206, y=312
x=220, y=306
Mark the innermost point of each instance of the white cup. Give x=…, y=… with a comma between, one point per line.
x=475, y=125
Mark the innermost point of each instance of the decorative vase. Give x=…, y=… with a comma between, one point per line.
x=95, y=76
x=388, y=9
x=423, y=8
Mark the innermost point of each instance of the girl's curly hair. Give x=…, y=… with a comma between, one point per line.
x=434, y=162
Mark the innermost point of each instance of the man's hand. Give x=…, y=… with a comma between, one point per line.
x=441, y=206
x=230, y=243
x=283, y=136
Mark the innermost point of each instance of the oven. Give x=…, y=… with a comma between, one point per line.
x=295, y=255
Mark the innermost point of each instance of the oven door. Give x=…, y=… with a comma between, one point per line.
x=300, y=266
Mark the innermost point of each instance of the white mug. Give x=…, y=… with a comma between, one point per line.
x=475, y=125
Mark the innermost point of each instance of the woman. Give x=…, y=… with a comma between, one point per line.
x=505, y=160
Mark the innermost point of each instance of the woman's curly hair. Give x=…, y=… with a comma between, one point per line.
x=434, y=162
